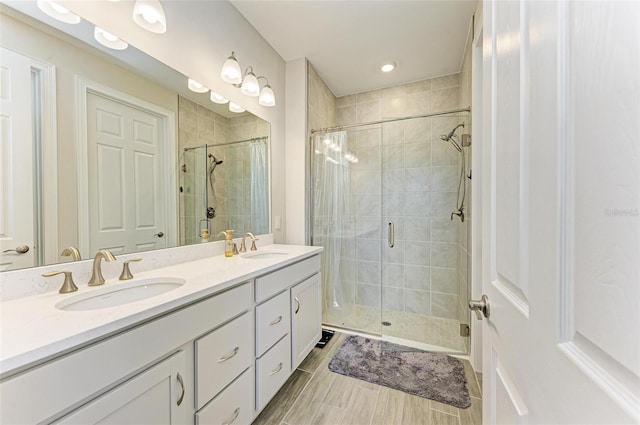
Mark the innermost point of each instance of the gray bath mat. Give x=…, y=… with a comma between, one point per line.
x=428, y=375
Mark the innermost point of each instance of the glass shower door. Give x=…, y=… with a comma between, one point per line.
x=346, y=221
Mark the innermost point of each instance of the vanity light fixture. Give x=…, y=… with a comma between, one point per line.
x=388, y=67
x=196, y=87
x=58, y=12
x=218, y=98
x=231, y=72
x=108, y=40
x=236, y=108
x=250, y=86
x=149, y=14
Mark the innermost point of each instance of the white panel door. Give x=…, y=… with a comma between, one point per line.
x=561, y=212
x=16, y=160
x=126, y=197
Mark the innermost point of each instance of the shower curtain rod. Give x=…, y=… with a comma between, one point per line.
x=230, y=143
x=433, y=114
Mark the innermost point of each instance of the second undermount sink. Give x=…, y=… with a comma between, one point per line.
x=264, y=255
x=121, y=293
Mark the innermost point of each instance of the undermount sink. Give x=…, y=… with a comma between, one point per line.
x=264, y=255
x=119, y=294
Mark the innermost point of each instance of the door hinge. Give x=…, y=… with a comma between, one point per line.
x=465, y=330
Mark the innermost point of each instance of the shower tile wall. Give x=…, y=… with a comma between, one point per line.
x=198, y=126
x=419, y=177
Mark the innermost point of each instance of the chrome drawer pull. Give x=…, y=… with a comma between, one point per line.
x=233, y=418
x=276, y=370
x=179, y=378
x=225, y=358
x=276, y=321
x=297, y=304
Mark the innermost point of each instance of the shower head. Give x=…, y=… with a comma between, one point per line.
x=450, y=137
x=447, y=137
x=215, y=160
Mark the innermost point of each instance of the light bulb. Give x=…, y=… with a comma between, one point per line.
x=231, y=72
x=196, y=87
x=267, y=97
x=388, y=67
x=149, y=14
x=218, y=98
x=58, y=12
x=250, y=86
x=233, y=107
x=108, y=40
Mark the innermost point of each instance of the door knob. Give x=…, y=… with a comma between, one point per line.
x=481, y=307
x=159, y=234
x=20, y=249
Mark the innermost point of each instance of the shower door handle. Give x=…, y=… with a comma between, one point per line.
x=391, y=235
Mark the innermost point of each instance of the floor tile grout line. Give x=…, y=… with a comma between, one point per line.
x=375, y=406
x=322, y=399
x=298, y=396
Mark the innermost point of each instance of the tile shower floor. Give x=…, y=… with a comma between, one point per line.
x=315, y=395
x=430, y=333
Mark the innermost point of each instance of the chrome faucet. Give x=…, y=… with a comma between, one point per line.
x=96, y=276
x=243, y=246
x=72, y=252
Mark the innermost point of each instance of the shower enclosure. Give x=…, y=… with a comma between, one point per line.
x=225, y=187
x=387, y=206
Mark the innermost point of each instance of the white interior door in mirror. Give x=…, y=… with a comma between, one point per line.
x=125, y=159
x=16, y=159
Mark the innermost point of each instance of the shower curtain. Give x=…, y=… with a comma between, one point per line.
x=332, y=219
x=259, y=187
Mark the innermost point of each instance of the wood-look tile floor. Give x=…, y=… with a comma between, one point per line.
x=314, y=395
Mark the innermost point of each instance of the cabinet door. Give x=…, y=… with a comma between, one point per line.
x=156, y=396
x=306, y=319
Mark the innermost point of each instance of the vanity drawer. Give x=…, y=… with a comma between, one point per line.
x=280, y=280
x=272, y=322
x=272, y=370
x=232, y=406
x=221, y=356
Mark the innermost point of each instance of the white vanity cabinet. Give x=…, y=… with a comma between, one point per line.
x=155, y=396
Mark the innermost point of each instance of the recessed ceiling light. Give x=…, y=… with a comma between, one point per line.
x=388, y=67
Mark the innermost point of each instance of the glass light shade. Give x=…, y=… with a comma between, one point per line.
x=267, y=97
x=236, y=108
x=231, y=72
x=149, y=14
x=218, y=98
x=250, y=86
x=58, y=12
x=108, y=40
x=195, y=86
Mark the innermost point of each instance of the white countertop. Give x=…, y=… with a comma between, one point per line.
x=33, y=330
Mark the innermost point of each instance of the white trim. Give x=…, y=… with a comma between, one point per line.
x=49, y=131
x=83, y=87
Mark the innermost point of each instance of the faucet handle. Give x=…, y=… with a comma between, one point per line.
x=68, y=285
x=235, y=248
x=126, y=272
x=253, y=244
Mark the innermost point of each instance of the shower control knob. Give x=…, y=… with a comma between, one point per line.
x=481, y=307
x=159, y=234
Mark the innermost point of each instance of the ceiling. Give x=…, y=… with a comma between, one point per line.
x=348, y=41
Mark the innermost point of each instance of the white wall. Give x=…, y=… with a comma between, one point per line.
x=200, y=36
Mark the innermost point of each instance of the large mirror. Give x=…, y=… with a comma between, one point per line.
x=109, y=149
